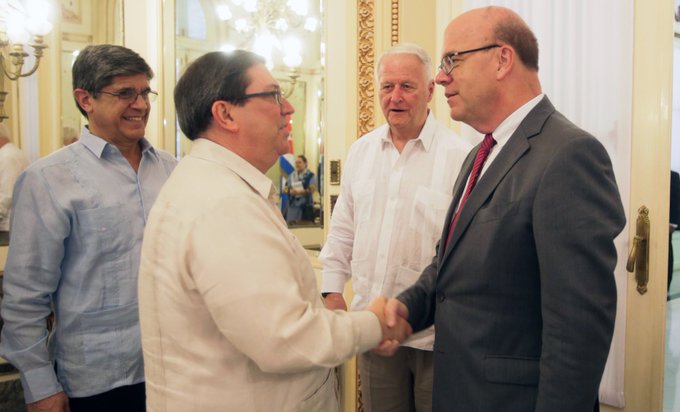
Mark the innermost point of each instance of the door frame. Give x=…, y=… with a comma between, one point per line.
x=650, y=165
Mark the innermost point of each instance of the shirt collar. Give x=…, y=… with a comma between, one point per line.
x=97, y=145
x=512, y=122
x=211, y=151
x=426, y=136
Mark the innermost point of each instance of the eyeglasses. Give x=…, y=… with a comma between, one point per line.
x=448, y=63
x=131, y=95
x=276, y=94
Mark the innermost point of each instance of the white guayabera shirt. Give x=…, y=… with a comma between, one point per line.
x=390, y=213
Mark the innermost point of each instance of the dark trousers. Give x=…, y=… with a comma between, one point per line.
x=670, y=261
x=130, y=398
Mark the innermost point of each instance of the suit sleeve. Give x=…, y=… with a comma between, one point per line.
x=577, y=214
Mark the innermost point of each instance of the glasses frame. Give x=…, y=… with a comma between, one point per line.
x=276, y=94
x=148, y=95
x=449, y=56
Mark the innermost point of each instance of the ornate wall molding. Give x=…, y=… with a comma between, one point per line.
x=394, y=30
x=366, y=59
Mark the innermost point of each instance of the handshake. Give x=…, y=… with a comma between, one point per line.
x=392, y=315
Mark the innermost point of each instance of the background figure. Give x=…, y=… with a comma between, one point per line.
x=69, y=135
x=522, y=291
x=674, y=221
x=300, y=186
x=77, y=226
x=12, y=162
x=396, y=187
x=230, y=311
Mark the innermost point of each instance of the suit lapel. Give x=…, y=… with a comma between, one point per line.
x=514, y=149
x=458, y=189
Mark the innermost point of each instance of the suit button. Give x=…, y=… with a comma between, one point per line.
x=442, y=298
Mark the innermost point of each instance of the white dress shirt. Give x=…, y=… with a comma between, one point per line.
x=390, y=213
x=230, y=312
x=12, y=162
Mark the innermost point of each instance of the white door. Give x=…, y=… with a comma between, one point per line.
x=650, y=164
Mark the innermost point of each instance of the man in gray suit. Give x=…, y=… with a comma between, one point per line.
x=521, y=291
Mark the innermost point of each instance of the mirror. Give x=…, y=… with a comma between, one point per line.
x=289, y=34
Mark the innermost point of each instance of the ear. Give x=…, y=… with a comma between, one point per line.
x=223, y=115
x=84, y=99
x=506, y=59
x=430, y=90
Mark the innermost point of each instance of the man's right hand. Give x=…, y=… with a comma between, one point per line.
x=335, y=301
x=395, y=330
x=55, y=403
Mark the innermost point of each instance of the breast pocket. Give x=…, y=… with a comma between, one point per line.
x=497, y=211
x=363, y=192
x=99, y=230
x=429, y=210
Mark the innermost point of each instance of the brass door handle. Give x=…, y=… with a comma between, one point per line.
x=638, y=258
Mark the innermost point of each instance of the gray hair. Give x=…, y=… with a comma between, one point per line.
x=408, y=48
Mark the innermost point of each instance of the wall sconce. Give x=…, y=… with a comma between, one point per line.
x=20, y=22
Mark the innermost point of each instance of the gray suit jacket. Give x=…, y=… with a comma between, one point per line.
x=523, y=299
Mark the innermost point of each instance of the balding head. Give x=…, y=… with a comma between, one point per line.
x=495, y=24
x=490, y=61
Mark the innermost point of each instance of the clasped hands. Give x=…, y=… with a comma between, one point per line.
x=393, y=316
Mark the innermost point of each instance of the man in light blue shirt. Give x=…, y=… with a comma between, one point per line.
x=79, y=216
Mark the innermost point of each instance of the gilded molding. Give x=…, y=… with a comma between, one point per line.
x=366, y=92
x=394, y=32
x=366, y=59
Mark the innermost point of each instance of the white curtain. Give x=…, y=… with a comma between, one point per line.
x=585, y=67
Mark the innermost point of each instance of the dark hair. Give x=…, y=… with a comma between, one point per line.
x=96, y=66
x=517, y=34
x=212, y=77
x=304, y=159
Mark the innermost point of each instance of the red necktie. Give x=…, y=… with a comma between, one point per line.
x=482, y=154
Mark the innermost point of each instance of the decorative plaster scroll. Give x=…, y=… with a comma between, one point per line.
x=366, y=59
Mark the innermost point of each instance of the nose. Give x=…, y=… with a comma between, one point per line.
x=145, y=102
x=286, y=107
x=442, y=78
x=397, y=94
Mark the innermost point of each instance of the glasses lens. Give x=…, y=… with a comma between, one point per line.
x=127, y=94
x=446, y=64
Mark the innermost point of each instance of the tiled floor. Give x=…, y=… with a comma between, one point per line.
x=671, y=402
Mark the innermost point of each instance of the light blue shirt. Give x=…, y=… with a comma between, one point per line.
x=77, y=225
